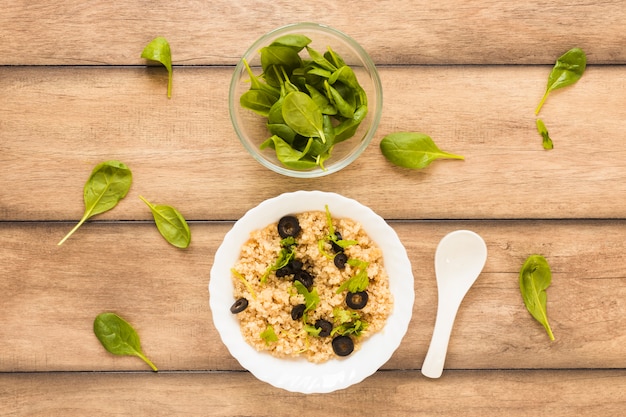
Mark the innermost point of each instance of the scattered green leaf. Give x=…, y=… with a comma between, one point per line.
x=119, y=337
x=547, y=141
x=535, y=277
x=171, y=224
x=303, y=115
x=412, y=150
x=568, y=69
x=108, y=183
x=159, y=50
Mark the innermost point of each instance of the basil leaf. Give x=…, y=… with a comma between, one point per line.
x=159, y=50
x=108, y=183
x=171, y=224
x=412, y=150
x=119, y=337
x=568, y=69
x=547, y=142
x=534, y=278
x=303, y=115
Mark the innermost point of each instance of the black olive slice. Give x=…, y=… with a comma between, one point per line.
x=334, y=245
x=357, y=300
x=239, y=306
x=326, y=327
x=298, y=311
x=304, y=277
x=288, y=226
x=340, y=260
x=296, y=265
x=289, y=269
x=343, y=345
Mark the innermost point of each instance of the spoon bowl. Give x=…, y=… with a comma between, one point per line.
x=459, y=260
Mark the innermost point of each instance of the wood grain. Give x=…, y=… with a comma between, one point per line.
x=402, y=393
x=72, y=32
x=60, y=122
x=52, y=294
x=75, y=91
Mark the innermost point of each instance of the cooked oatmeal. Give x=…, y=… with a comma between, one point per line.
x=283, y=312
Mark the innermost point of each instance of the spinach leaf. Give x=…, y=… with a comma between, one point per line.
x=118, y=337
x=108, y=183
x=412, y=150
x=534, y=278
x=159, y=50
x=310, y=103
x=171, y=224
x=257, y=84
x=568, y=69
x=294, y=41
x=259, y=101
x=541, y=128
x=288, y=156
x=303, y=115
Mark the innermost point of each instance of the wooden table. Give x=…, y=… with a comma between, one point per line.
x=74, y=92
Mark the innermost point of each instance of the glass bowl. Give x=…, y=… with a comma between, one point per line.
x=251, y=128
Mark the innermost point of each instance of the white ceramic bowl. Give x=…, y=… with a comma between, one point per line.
x=251, y=128
x=300, y=375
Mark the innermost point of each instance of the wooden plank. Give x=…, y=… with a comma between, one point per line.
x=457, y=393
x=72, y=32
x=57, y=123
x=52, y=294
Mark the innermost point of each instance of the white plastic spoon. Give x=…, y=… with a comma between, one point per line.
x=459, y=259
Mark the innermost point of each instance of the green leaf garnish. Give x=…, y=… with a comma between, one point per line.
x=347, y=322
x=244, y=281
x=159, y=50
x=311, y=299
x=268, y=335
x=285, y=255
x=359, y=281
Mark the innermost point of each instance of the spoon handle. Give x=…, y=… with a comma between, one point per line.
x=436, y=356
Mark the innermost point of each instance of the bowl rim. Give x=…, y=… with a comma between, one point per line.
x=369, y=66
x=298, y=374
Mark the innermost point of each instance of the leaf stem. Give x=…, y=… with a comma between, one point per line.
x=543, y=99
x=169, y=85
x=85, y=217
x=148, y=361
